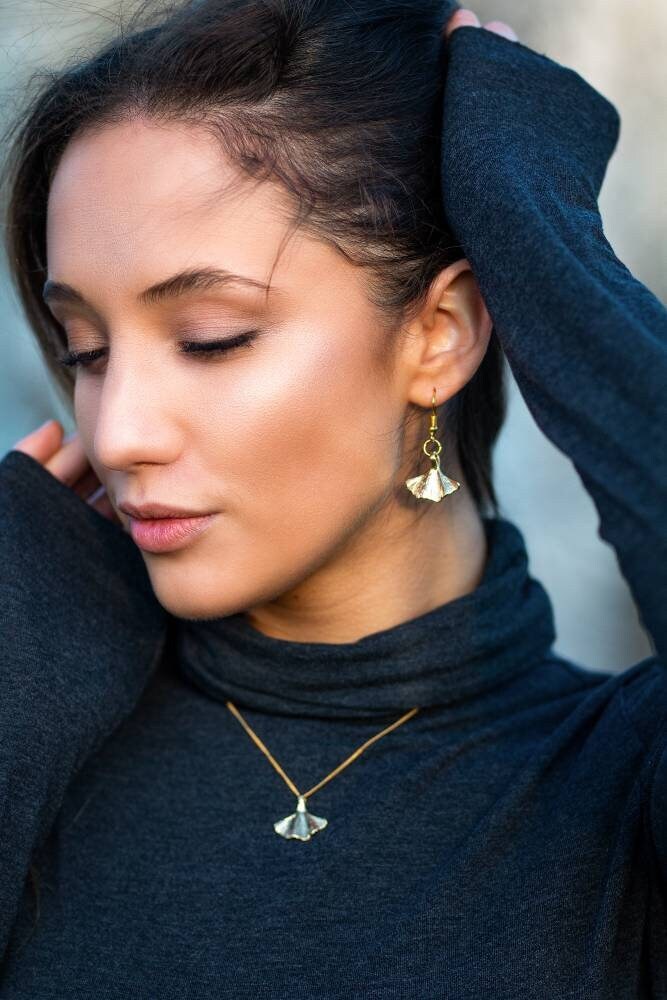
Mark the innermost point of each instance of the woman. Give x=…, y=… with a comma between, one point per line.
x=335, y=609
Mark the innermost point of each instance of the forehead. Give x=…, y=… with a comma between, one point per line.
x=137, y=201
x=137, y=191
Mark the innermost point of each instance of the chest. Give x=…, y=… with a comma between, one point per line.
x=450, y=871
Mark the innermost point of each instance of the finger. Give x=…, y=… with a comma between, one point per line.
x=500, y=28
x=64, y=457
x=43, y=442
x=70, y=462
x=461, y=18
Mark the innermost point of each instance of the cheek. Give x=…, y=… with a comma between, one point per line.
x=305, y=449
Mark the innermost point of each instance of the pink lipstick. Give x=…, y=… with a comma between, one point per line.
x=165, y=534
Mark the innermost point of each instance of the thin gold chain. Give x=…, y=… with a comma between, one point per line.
x=353, y=756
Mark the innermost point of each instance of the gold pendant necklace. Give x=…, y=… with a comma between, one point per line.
x=302, y=825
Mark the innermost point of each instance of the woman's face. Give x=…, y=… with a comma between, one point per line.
x=289, y=439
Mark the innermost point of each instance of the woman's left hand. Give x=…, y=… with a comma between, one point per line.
x=465, y=17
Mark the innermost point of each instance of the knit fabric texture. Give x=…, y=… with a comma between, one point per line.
x=510, y=840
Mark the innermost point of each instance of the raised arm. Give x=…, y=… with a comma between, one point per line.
x=80, y=633
x=525, y=149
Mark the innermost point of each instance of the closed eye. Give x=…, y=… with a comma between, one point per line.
x=207, y=347
x=204, y=349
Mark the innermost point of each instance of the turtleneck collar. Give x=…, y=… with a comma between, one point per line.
x=445, y=655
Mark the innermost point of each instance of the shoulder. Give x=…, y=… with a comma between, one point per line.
x=644, y=695
x=636, y=696
x=643, y=690
x=629, y=712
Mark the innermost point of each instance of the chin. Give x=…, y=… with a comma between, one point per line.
x=191, y=603
x=194, y=591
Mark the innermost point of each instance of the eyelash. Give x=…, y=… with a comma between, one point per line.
x=204, y=349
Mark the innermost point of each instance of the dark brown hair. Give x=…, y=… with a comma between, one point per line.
x=339, y=103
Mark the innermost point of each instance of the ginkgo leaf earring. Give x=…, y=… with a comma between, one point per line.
x=434, y=484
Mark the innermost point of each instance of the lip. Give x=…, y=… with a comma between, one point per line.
x=151, y=511
x=165, y=534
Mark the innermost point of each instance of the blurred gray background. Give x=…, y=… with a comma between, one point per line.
x=619, y=46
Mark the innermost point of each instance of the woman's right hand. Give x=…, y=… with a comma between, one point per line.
x=463, y=17
x=65, y=459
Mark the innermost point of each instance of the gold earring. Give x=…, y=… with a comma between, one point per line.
x=434, y=484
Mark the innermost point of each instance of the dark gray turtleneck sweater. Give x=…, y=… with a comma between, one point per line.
x=510, y=840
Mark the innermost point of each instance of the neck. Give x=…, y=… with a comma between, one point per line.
x=396, y=567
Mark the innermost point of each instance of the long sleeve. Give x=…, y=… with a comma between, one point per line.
x=525, y=149
x=80, y=633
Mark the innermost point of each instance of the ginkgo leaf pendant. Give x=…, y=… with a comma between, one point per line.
x=433, y=485
x=301, y=825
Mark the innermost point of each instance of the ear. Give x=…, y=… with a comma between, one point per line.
x=447, y=339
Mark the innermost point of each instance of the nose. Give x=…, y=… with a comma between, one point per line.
x=134, y=422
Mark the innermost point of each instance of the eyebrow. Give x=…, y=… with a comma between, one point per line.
x=194, y=279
